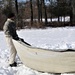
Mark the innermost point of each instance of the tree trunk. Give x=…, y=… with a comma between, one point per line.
x=73, y=11
x=38, y=6
x=16, y=6
x=41, y=10
x=50, y=10
x=45, y=13
x=31, y=7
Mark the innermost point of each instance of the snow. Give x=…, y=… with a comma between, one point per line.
x=49, y=38
x=67, y=19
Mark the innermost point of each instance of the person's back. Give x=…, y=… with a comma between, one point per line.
x=10, y=29
x=6, y=27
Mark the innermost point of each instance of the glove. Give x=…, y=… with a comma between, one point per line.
x=24, y=41
x=21, y=39
x=16, y=38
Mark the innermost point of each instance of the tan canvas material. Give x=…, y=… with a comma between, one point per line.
x=46, y=60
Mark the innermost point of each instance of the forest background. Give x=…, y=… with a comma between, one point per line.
x=38, y=13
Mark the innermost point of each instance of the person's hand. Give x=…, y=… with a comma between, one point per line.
x=21, y=39
x=16, y=38
x=24, y=41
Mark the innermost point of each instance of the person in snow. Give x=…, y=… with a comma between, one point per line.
x=10, y=33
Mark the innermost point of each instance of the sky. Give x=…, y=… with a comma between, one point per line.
x=21, y=0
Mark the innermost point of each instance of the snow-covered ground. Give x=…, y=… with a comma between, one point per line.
x=50, y=38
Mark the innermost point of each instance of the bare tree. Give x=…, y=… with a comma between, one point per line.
x=45, y=12
x=16, y=6
x=38, y=6
x=31, y=7
x=73, y=11
x=41, y=10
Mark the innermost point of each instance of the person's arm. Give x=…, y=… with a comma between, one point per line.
x=24, y=41
x=12, y=31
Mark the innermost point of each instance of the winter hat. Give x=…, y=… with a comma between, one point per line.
x=9, y=15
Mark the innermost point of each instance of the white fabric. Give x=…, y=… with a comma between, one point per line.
x=45, y=60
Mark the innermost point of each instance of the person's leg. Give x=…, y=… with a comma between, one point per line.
x=12, y=49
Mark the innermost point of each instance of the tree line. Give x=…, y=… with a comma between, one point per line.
x=36, y=13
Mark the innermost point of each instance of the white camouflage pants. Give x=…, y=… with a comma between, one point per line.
x=12, y=49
